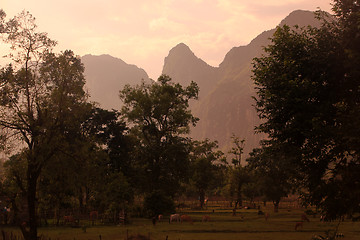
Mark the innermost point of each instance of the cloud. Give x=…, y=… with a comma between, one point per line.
x=164, y=24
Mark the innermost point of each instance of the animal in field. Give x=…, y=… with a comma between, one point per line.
x=304, y=218
x=186, y=218
x=298, y=225
x=206, y=218
x=174, y=217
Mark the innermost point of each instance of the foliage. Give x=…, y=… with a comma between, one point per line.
x=206, y=168
x=274, y=174
x=110, y=132
x=237, y=174
x=237, y=150
x=308, y=96
x=42, y=102
x=159, y=115
x=158, y=202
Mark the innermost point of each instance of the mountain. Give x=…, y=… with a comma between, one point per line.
x=183, y=66
x=106, y=76
x=225, y=105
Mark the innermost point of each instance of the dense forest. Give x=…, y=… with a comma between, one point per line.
x=66, y=156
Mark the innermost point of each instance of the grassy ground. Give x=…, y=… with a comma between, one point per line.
x=247, y=224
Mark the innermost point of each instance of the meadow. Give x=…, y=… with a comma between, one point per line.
x=247, y=224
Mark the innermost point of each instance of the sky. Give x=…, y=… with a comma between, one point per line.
x=142, y=32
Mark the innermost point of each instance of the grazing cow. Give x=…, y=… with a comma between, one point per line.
x=94, y=215
x=174, y=217
x=304, y=218
x=298, y=225
x=186, y=218
x=206, y=218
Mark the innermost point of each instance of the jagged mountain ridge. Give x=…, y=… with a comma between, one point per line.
x=225, y=104
x=183, y=66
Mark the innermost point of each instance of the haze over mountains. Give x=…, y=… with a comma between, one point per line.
x=225, y=105
x=106, y=75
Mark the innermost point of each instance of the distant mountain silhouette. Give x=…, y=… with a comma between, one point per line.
x=183, y=66
x=106, y=76
x=226, y=106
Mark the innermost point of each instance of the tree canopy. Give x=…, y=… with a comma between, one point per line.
x=160, y=117
x=308, y=96
x=42, y=102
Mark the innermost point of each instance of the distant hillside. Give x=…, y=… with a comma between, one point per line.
x=106, y=76
x=183, y=66
x=225, y=106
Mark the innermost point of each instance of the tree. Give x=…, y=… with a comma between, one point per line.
x=308, y=96
x=41, y=102
x=159, y=115
x=238, y=175
x=206, y=164
x=237, y=150
x=274, y=173
x=109, y=149
x=109, y=131
x=252, y=189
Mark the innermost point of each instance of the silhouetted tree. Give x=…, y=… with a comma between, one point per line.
x=160, y=117
x=308, y=96
x=41, y=100
x=206, y=167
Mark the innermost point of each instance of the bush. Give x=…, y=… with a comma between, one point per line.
x=157, y=203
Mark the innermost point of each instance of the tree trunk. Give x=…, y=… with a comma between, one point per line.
x=238, y=201
x=202, y=198
x=31, y=198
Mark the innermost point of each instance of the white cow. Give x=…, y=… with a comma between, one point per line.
x=174, y=217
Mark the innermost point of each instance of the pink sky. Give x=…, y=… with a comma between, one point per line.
x=142, y=32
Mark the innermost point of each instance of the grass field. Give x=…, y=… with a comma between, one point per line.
x=247, y=224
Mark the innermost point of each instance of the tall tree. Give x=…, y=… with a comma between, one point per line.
x=308, y=92
x=160, y=117
x=206, y=164
x=41, y=101
x=237, y=174
x=274, y=173
x=110, y=147
x=237, y=150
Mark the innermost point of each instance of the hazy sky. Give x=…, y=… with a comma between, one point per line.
x=142, y=32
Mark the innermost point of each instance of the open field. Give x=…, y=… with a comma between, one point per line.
x=247, y=224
